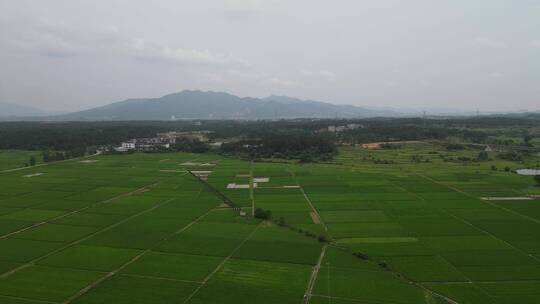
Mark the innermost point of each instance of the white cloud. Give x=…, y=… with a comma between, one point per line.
x=56, y=39
x=496, y=75
x=275, y=81
x=489, y=42
x=328, y=75
x=535, y=43
x=249, y=9
x=153, y=52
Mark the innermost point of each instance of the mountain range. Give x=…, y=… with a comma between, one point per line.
x=15, y=110
x=191, y=104
x=214, y=105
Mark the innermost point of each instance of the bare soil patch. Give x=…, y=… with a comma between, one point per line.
x=517, y=198
x=377, y=145
x=261, y=179
x=33, y=174
x=315, y=218
x=89, y=161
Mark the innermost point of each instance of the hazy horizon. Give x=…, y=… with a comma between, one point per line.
x=73, y=55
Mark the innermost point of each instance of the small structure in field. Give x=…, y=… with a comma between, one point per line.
x=261, y=180
x=243, y=213
x=237, y=186
x=145, y=144
x=203, y=175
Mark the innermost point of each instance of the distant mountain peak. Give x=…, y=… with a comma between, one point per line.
x=196, y=104
x=11, y=109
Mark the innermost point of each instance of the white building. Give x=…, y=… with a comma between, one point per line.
x=128, y=145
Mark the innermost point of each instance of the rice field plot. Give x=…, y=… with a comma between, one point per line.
x=175, y=266
x=172, y=240
x=425, y=268
x=381, y=247
x=110, y=225
x=55, y=233
x=139, y=233
x=32, y=215
x=128, y=289
x=10, y=226
x=281, y=200
x=46, y=283
x=228, y=215
x=22, y=251
x=244, y=281
x=90, y=258
x=278, y=244
x=427, y=233
x=354, y=216
x=370, y=229
x=526, y=292
x=90, y=219
x=365, y=286
x=208, y=238
x=464, y=293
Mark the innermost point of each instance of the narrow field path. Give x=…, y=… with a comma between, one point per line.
x=135, y=258
x=314, y=274
x=481, y=229
x=485, y=201
x=457, y=270
x=251, y=190
x=24, y=300
x=107, y=228
x=49, y=163
x=314, y=212
x=225, y=260
x=316, y=217
x=123, y=195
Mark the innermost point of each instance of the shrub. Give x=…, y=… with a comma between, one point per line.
x=322, y=238
x=482, y=156
x=361, y=255
x=263, y=214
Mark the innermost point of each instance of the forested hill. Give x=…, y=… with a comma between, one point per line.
x=215, y=105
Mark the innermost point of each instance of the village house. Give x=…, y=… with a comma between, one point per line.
x=144, y=144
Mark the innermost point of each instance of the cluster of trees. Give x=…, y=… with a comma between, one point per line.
x=263, y=214
x=31, y=161
x=418, y=158
x=300, y=145
x=190, y=146
x=390, y=146
x=267, y=215
x=49, y=156
x=66, y=136
x=506, y=169
x=302, y=139
x=511, y=156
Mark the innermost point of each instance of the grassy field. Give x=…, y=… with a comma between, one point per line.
x=16, y=159
x=139, y=229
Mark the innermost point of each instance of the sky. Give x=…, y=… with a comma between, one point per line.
x=65, y=55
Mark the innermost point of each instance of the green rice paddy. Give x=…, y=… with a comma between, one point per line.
x=140, y=229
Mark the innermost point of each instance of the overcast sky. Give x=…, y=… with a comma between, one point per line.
x=70, y=55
